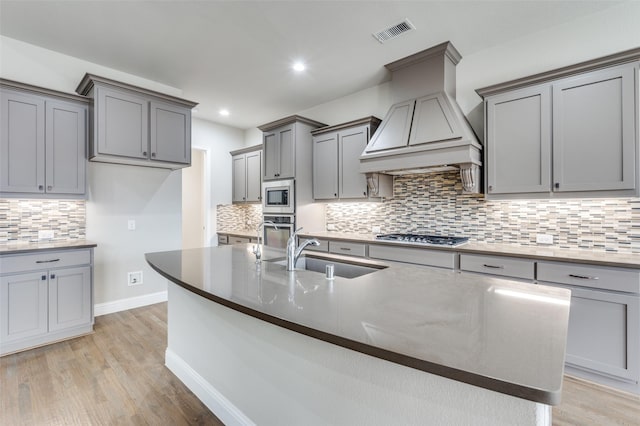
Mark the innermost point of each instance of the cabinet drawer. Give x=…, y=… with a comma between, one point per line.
x=427, y=257
x=238, y=240
x=223, y=239
x=342, y=247
x=616, y=279
x=324, y=245
x=498, y=265
x=44, y=260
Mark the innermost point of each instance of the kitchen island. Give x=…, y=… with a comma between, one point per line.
x=402, y=345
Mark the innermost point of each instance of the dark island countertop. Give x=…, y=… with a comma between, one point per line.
x=501, y=335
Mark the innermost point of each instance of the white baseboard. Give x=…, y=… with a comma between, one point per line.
x=228, y=413
x=130, y=303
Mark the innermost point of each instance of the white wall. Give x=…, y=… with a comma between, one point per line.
x=117, y=193
x=217, y=140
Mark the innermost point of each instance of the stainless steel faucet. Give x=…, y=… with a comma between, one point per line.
x=293, y=253
x=256, y=249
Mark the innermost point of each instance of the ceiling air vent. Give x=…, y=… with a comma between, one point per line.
x=394, y=31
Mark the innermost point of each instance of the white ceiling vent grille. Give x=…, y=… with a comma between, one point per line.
x=394, y=31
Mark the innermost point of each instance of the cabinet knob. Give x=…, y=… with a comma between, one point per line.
x=335, y=195
x=53, y=276
x=40, y=187
x=43, y=278
x=153, y=154
x=364, y=193
x=144, y=153
x=557, y=185
x=490, y=188
x=49, y=188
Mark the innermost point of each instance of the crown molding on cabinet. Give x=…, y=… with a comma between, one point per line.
x=11, y=84
x=288, y=120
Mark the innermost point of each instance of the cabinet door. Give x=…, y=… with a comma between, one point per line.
x=271, y=148
x=396, y=122
x=604, y=333
x=594, y=121
x=254, y=176
x=122, y=123
x=325, y=166
x=433, y=121
x=239, y=178
x=170, y=133
x=23, y=306
x=69, y=298
x=66, y=137
x=519, y=141
x=22, y=151
x=353, y=184
x=287, y=152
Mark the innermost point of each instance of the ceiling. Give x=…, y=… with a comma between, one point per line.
x=238, y=54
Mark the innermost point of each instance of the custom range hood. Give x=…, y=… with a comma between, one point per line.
x=426, y=131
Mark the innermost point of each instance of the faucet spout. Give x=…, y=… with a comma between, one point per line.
x=293, y=253
x=256, y=249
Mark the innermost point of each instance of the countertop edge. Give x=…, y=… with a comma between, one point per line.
x=10, y=250
x=549, y=397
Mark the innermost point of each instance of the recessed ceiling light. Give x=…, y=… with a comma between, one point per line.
x=299, y=66
x=224, y=112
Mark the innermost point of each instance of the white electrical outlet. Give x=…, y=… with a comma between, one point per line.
x=134, y=278
x=131, y=225
x=331, y=227
x=45, y=234
x=544, y=239
x=375, y=229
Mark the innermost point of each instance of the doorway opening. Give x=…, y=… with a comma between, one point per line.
x=195, y=201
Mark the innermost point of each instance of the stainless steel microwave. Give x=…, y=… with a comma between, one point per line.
x=278, y=196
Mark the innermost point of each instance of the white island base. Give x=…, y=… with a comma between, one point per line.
x=248, y=371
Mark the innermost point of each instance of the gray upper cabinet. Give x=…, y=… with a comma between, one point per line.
x=325, y=166
x=565, y=133
x=247, y=175
x=286, y=147
x=594, y=119
x=279, y=153
x=137, y=126
x=336, y=159
x=519, y=141
x=42, y=142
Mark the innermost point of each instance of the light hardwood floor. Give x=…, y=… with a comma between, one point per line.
x=117, y=376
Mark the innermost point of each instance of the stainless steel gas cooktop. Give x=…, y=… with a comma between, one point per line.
x=423, y=240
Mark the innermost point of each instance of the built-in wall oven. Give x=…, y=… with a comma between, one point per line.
x=278, y=197
x=278, y=229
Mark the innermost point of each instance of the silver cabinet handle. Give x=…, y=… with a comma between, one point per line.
x=47, y=261
x=345, y=248
x=583, y=277
x=493, y=266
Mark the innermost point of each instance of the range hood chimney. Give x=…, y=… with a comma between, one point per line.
x=426, y=131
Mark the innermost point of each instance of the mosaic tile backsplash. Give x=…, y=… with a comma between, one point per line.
x=20, y=220
x=434, y=203
x=238, y=217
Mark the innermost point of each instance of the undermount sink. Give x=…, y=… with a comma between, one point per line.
x=340, y=269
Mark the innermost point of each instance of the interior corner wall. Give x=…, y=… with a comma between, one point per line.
x=116, y=193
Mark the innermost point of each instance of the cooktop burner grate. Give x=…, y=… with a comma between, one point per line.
x=427, y=240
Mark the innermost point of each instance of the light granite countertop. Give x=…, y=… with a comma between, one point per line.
x=623, y=260
x=501, y=335
x=27, y=247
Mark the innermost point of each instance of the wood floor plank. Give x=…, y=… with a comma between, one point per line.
x=117, y=376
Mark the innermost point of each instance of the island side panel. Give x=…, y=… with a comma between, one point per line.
x=248, y=371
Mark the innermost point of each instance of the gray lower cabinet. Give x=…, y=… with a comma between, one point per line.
x=573, y=133
x=44, y=297
x=336, y=159
x=247, y=175
x=42, y=143
x=136, y=126
x=498, y=265
x=604, y=322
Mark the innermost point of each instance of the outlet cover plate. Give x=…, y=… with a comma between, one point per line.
x=544, y=239
x=45, y=234
x=134, y=278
